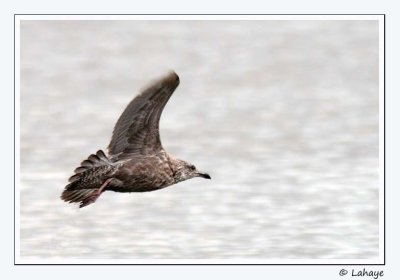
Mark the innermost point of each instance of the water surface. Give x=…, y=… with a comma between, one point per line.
x=282, y=114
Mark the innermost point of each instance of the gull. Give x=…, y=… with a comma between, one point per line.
x=136, y=160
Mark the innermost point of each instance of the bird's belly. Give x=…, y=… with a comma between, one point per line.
x=139, y=184
x=136, y=188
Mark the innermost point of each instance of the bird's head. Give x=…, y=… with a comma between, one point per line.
x=185, y=170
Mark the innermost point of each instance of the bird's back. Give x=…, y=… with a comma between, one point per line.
x=144, y=173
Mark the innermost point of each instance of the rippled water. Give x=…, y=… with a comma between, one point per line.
x=282, y=114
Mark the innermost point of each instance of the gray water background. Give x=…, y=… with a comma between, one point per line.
x=282, y=114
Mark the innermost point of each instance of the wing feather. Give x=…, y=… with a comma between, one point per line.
x=137, y=130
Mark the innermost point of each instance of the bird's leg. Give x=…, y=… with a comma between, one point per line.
x=106, y=182
x=93, y=196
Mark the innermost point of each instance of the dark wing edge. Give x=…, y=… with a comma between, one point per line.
x=137, y=129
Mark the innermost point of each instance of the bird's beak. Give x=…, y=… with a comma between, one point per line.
x=204, y=175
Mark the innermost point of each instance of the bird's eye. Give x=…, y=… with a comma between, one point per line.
x=192, y=167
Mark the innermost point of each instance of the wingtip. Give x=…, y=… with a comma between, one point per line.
x=173, y=78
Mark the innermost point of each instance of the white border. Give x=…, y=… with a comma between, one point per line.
x=201, y=261
x=17, y=139
x=19, y=260
x=381, y=138
x=199, y=17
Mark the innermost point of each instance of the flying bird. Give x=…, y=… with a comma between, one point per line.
x=136, y=160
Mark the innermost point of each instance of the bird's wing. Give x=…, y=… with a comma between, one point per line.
x=137, y=129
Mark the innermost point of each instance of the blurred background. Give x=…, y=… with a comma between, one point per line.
x=282, y=114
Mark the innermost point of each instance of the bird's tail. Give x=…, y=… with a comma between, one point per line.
x=94, y=160
x=88, y=178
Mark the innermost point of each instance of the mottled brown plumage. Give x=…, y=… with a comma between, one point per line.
x=136, y=160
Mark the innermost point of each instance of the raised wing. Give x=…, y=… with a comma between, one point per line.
x=137, y=129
